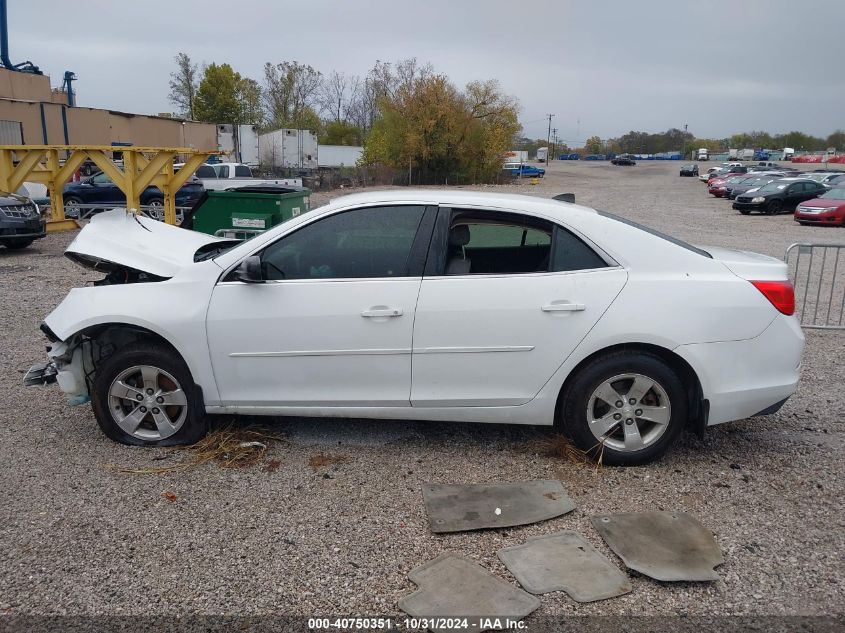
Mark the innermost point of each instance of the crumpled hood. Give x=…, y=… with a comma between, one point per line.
x=139, y=242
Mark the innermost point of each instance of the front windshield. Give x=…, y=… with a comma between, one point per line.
x=834, y=194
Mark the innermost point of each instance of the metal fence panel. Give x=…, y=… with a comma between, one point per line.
x=818, y=273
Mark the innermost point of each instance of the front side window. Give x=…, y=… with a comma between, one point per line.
x=101, y=179
x=359, y=244
x=242, y=171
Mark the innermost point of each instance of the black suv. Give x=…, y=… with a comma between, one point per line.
x=624, y=159
x=20, y=221
x=779, y=195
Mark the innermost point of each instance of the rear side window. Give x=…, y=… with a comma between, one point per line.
x=242, y=171
x=650, y=231
x=205, y=171
x=571, y=253
x=222, y=171
x=499, y=243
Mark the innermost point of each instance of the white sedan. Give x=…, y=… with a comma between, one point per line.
x=426, y=305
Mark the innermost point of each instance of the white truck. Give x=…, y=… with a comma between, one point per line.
x=788, y=153
x=703, y=154
x=228, y=176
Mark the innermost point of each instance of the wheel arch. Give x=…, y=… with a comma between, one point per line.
x=117, y=334
x=698, y=406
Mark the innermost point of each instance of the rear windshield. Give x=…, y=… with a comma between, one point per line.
x=651, y=231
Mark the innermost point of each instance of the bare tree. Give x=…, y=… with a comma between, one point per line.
x=335, y=95
x=183, y=85
x=290, y=90
x=383, y=81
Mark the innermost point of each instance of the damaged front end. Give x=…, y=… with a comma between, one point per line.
x=69, y=365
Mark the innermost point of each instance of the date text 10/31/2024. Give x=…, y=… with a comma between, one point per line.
x=421, y=623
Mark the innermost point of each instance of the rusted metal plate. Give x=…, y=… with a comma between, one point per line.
x=564, y=561
x=451, y=586
x=461, y=507
x=667, y=546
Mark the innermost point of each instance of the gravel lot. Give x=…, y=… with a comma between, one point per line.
x=76, y=537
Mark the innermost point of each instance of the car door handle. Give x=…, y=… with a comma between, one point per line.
x=563, y=306
x=381, y=311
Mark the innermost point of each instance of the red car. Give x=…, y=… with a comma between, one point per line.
x=718, y=186
x=725, y=176
x=828, y=208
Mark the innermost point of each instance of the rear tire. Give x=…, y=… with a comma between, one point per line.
x=143, y=395
x=621, y=432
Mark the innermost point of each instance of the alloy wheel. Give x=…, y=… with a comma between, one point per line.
x=147, y=403
x=628, y=412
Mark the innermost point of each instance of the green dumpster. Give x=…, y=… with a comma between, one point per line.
x=244, y=212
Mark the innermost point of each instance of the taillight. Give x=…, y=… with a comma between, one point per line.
x=781, y=294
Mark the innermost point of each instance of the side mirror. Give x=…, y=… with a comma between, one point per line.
x=249, y=270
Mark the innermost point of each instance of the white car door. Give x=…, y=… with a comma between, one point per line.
x=502, y=306
x=333, y=322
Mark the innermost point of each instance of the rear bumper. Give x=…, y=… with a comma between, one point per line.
x=741, y=379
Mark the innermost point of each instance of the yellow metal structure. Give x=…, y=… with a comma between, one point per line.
x=142, y=167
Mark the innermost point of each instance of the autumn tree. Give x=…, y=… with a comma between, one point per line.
x=249, y=95
x=593, y=145
x=183, y=85
x=291, y=93
x=447, y=135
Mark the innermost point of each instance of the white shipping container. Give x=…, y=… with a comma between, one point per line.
x=288, y=148
x=338, y=155
x=240, y=142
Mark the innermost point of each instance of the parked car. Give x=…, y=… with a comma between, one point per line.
x=608, y=341
x=624, y=160
x=778, y=195
x=823, y=177
x=99, y=189
x=723, y=176
x=836, y=180
x=21, y=222
x=749, y=184
x=719, y=186
x=706, y=175
x=689, y=170
x=231, y=176
x=523, y=170
x=828, y=208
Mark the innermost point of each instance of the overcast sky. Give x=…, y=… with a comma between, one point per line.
x=617, y=65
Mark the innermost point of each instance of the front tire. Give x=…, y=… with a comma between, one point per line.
x=143, y=395
x=625, y=408
x=774, y=207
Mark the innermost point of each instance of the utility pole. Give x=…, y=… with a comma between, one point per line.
x=554, y=145
x=549, y=137
x=684, y=148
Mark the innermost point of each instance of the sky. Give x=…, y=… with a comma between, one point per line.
x=602, y=67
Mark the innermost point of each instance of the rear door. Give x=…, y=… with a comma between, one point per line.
x=505, y=299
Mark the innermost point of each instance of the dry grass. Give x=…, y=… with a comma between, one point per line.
x=229, y=447
x=559, y=447
x=324, y=460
